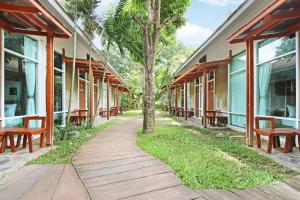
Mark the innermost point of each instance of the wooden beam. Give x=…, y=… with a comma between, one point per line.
x=250, y=92
x=50, y=90
x=176, y=98
x=17, y=8
x=107, y=99
x=204, y=85
x=51, y=18
x=185, y=100
x=39, y=23
x=255, y=20
x=117, y=98
x=91, y=97
x=22, y=18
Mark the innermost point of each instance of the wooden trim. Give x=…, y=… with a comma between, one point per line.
x=117, y=98
x=50, y=90
x=39, y=23
x=91, y=98
x=255, y=20
x=204, y=87
x=185, y=100
x=51, y=18
x=250, y=91
x=107, y=98
x=17, y=9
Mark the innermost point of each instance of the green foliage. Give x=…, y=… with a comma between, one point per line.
x=121, y=30
x=66, y=149
x=168, y=61
x=203, y=161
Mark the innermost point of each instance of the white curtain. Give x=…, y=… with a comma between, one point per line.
x=30, y=49
x=30, y=73
x=264, y=74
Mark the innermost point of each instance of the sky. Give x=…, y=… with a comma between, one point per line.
x=203, y=17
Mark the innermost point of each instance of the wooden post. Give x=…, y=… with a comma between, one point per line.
x=250, y=92
x=91, y=97
x=107, y=98
x=117, y=98
x=204, y=85
x=176, y=98
x=50, y=90
x=185, y=100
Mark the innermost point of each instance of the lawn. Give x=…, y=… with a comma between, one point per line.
x=132, y=114
x=65, y=149
x=201, y=160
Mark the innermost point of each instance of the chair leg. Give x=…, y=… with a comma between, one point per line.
x=4, y=143
x=19, y=141
x=24, y=141
x=299, y=142
x=12, y=143
x=270, y=143
x=288, y=144
x=42, y=138
x=258, y=141
x=30, y=143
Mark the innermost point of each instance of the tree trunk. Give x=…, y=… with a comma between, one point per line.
x=65, y=133
x=151, y=34
x=149, y=92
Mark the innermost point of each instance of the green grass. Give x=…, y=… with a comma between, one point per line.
x=133, y=114
x=203, y=161
x=66, y=149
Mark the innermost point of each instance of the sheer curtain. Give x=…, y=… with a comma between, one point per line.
x=264, y=74
x=238, y=98
x=30, y=74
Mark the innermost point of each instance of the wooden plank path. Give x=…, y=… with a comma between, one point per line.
x=111, y=166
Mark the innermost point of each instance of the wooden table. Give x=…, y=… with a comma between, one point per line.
x=27, y=132
x=274, y=138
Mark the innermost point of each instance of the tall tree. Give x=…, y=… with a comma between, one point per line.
x=140, y=26
x=71, y=7
x=91, y=26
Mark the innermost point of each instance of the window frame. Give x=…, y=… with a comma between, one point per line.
x=296, y=120
x=4, y=50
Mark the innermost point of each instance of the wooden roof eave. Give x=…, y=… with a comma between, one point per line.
x=269, y=19
x=34, y=26
x=199, y=68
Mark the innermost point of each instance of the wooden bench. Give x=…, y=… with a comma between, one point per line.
x=113, y=111
x=26, y=133
x=78, y=116
x=273, y=135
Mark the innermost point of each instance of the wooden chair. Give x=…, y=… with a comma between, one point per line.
x=273, y=134
x=113, y=111
x=221, y=120
x=211, y=117
x=27, y=134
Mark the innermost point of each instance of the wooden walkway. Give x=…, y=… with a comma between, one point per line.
x=111, y=166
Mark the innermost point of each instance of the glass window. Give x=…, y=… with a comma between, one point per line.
x=211, y=76
x=20, y=76
x=238, y=90
x=238, y=62
x=58, y=61
x=58, y=82
x=82, y=75
x=277, y=87
x=272, y=48
x=14, y=43
x=182, y=96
